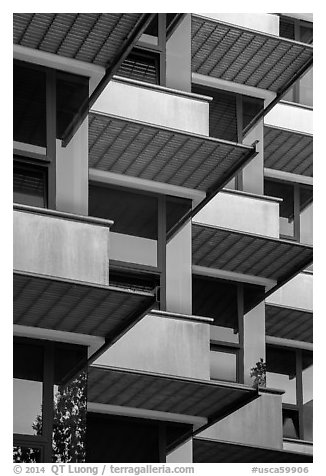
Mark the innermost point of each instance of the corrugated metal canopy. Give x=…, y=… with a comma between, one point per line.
x=70, y=306
x=288, y=151
x=160, y=154
x=245, y=253
x=289, y=323
x=244, y=56
x=210, y=451
x=151, y=391
x=91, y=37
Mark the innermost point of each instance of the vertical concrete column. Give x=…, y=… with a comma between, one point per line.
x=183, y=454
x=253, y=173
x=254, y=339
x=72, y=173
x=178, y=57
x=178, y=272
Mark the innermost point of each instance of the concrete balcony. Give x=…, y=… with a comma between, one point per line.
x=297, y=293
x=178, y=345
x=61, y=280
x=242, y=212
x=156, y=105
x=292, y=117
x=61, y=245
x=257, y=423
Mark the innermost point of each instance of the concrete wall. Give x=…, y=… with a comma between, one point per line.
x=61, y=248
x=165, y=345
x=257, y=423
x=133, y=249
x=183, y=454
x=155, y=105
x=254, y=339
x=72, y=173
x=178, y=57
x=301, y=447
x=242, y=212
x=291, y=117
x=179, y=272
x=253, y=173
x=296, y=293
x=264, y=22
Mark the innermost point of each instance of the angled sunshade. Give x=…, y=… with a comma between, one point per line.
x=288, y=151
x=157, y=392
x=165, y=155
x=91, y=37
x=102, y=39
x=71, y=306
x=244, y=56
x=212, y=451
x=289, y=323
x=245, y=253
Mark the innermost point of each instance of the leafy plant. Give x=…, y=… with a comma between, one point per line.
x=258, y=373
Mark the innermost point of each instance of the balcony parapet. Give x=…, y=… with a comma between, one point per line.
x=178, y=345
x=242, y=211
x=134, y=100
x=61, y=245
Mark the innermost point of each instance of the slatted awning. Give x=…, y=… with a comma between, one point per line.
x=245, y=253
x=165, y=393
x=71, y=306
x=212, y=451
x=102, y=39
x=244, y=56
x=288, y=151
x=165, y=155
x=91, y=37
x=289, y=323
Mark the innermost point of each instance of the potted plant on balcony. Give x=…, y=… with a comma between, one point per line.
x=258, y=373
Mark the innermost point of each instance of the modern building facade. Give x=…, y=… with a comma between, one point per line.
x=163, y=237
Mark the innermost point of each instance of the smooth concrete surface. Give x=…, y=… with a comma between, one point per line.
x=259, y=423
x=183, y=454
x=254, y=340
x=291, y=117
x=264, y=22
x=179, y=272
x=178, y=57
x=300, y=16
x=164, y=345
x=72, y=173
x=299, y=446
x=61, y=248
x=242, y=212
x=297, y=293
x=253, y=173
x=133, y=249
x=306, y=225
x=155, y=106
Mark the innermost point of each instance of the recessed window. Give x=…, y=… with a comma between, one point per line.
x=290, y=423
x=141, y=66
x=281, y=372
x=30, y=184
x=218, y=300
x=223, y=364
x=28, y=389
x=71, y=92
x=29, y=105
